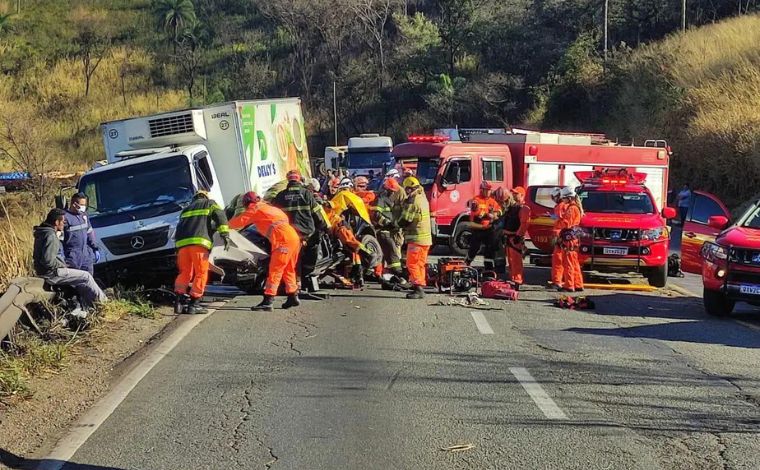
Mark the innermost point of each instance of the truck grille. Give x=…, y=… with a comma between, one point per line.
x=616, y=234
x=137, y=241
x=743, y=277
x=172, y=125
x=748, y=257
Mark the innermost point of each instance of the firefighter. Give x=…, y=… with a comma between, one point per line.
x=415, y=220
x=515, y=228
x=285, y=243
x=197, y=224
x=498, y=241
x=360, y=189
x=483, y=211
x=307, y=216
x=572, y=276
x=386, y=217
x=342, y=230
x=557, y=253
x=79, y=246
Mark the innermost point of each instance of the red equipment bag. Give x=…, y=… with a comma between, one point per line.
x=498, y=290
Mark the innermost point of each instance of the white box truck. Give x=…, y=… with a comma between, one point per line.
x=156, y=163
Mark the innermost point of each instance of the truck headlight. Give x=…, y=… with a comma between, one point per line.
x=714, y=252
x=652, y=234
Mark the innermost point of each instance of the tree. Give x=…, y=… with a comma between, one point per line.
x=5, y=23
x=455, y=26
x=374, y=16
x=190, y=53
x=92, y=49
x=173, y=17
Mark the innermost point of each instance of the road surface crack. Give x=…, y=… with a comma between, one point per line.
x=272, y=456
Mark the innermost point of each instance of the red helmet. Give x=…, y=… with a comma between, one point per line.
x=294, y=175
x=250, y=198
x=486, y=185
x=391, y=184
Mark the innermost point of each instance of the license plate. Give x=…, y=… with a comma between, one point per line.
x=615, y=251
x=750, y=290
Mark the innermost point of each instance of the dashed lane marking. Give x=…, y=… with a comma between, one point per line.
x=96, y=416
x=537, y=393
x=481, y=323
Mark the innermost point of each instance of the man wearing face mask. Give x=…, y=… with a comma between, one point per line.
x=79, y=248
x=49, y=263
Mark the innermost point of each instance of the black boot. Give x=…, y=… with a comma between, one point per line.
x=193, y=308
x=180, y=303
x=292, y=301
x=356, y=276
x=416, y=293
x=266, y=305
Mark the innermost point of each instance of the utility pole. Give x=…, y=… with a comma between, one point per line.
x=606, y=22
x=683, y=15
x=335, y=113
x=18, y=7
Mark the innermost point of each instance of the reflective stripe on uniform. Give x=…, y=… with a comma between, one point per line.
x=194, y=241
x=76, y=228
x=223, y=228
x=196, y=213
x=297, y=208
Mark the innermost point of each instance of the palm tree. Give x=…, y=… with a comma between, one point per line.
x=173, y=16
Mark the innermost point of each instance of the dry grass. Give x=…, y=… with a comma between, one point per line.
x=16, y=242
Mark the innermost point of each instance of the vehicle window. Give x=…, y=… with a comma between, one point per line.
x=205, y=169
x=540, y=174
x=752, y=217
x=427, y=170
x=493, y=170
x=542, y=197
x=615, y=202
x=703, y=207
x=465, y=171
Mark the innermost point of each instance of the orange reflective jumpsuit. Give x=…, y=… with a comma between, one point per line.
x=515, y=253
x=273, y=223
x=572, y=275
x=483, y=211
x=367, y=196
x=557, y=257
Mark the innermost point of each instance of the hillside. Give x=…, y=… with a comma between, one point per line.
x=700, y=90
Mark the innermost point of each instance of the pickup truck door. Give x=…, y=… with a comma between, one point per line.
x=695, y=231
x=455, y=189
x=541, y=212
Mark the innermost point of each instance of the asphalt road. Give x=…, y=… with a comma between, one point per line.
x=368, y=380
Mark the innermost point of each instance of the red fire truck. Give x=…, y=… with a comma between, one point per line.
x=451, y=168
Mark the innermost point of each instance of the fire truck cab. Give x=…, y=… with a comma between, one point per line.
x=622, y=228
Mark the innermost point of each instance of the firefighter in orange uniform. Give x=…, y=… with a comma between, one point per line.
x=360, y=189
x=557, y=253
x=515, y=228
x=483, y=211
x=273, y=223
x=572, y=276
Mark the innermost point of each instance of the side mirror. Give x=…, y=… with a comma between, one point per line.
x=718, y=222
x=669, y=213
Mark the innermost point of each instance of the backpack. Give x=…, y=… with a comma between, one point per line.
x=498, y=290
x=674, y=266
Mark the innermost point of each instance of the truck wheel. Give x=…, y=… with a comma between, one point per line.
x=460, y=240
x=658, y=277
x=717, y=304
x=374, y=247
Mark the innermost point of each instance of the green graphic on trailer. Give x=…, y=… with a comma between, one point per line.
x=247, y=114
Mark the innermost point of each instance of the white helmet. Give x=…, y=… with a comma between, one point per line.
x=313, y=184
x=556, y=193
x=567, y=191
x=346, y=183
x=393, y=173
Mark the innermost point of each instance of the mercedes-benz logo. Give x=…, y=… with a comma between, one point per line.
x=137, y=242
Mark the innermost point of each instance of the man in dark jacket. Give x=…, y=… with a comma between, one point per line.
x=50, y=265
x=79, y=247
x=308, y=217
x=196, y=227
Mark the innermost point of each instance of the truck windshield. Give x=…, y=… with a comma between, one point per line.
x=359, y=160
x=427, y=170
x=139, y=186
x=752, y=217
x=613, y=202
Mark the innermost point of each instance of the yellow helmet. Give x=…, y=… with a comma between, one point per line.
x=411, y=182
x=201, y=193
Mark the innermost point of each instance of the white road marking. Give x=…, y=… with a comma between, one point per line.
x=749, y=325
x=537, y=393
x=682, y=290
x=481, y=323
x=96, y=416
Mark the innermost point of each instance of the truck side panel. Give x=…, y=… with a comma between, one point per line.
x=273, y=141
x=223, y=143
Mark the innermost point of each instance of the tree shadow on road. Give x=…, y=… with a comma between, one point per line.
x=17, y=462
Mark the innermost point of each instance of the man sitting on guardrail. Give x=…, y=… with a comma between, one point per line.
x=49, y=263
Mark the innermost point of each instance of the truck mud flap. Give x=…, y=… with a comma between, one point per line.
x=20, y=293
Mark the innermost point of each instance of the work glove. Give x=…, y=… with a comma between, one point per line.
x=226, y=239
x=97, y=256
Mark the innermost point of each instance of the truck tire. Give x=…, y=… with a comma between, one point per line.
x=370, y=241
x=658, y=277
x=717, y=304
x=459, y=243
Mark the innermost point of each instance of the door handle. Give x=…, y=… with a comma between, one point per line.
x=690, y=234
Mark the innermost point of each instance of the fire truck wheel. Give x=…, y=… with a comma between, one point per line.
x=460, y=240
x=717, y=304
x=658, y=277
